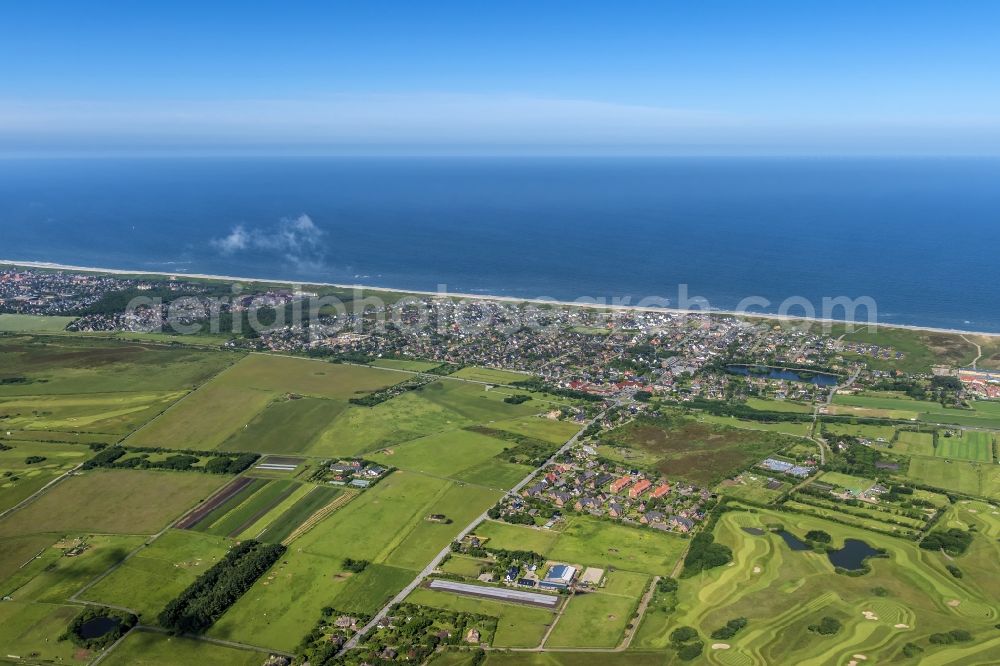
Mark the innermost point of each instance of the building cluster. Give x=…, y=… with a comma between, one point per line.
x=355, y=472
x=603, y=489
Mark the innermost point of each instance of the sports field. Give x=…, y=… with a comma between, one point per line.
x=914, y=443
x=782, y=592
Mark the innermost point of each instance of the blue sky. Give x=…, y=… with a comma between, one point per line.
x=844, y=77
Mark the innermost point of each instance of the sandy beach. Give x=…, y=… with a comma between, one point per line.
x=479, y=297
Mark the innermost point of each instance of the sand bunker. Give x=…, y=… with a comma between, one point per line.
x=954, y=602
x=901, y=626
x=862, y=657
x=720, y=646
x=756, y=569
x=869, y=615
x=973, y=511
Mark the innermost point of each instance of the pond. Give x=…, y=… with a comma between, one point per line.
x=817, y=378
x=756, y=531
x=793, y=541
x=853, y=555
x=98, y=626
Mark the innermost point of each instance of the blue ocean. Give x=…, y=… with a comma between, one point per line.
x=919, y=236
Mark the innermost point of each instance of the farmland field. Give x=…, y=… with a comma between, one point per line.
x=982, y=414
x=77, y=365
x=24, y=479
x=159, y=572
x=145, y=648
x=111, y=502
x=982, y=479
x=872, y=432
x=967, y=445
x=589, y=541
x=914, y=443
x=489, y=375
x=404, y=364
x=594, y=619
x=285, y=426
x=444, y=454
x=19, y=323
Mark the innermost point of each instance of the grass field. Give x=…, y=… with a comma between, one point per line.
x=854, y=483
x=76, y=365
x=444, y=454
x=971, y=478
x=593, y=542
x=28, y=628
x=145, y=648
x=779, y=406
x=111, y=502
x=914, y=443
x=19, y=323
x=968, y=445
x=780, y=427
x=440, y=406
x=112, y=414
x=238, y=399
x=594, y=619
x=285, y=426
x=159, y=572
x=983, y=414
x=872, y=432
x=368, y=591
x=385, y=525
x=782, y=591
x=702, y=453
x=518, y=626
x=51, y=577
x=547, y=430
x=489, y=375
x=25, y=479
x=404, y=364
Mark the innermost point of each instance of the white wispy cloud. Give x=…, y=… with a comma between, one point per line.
x=297, y=241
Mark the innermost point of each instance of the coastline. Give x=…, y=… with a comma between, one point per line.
x=484, y=297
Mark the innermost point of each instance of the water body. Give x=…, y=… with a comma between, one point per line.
x=793, y=541
x=920, y=236
x=97, y=627
x=820, y=379
x=852, y=555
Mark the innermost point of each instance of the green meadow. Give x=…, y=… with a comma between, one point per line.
x=157, y=573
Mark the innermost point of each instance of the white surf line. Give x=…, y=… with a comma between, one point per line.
x=480, y=297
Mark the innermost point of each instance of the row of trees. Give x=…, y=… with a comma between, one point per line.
x=201, y=604
x=110, y=457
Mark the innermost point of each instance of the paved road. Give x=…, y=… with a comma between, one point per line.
x=354, y=640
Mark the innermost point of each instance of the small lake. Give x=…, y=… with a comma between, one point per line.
x=793, y=541
x=817, y=378
x=98, y=626
x=852, y=555
x=756, y=531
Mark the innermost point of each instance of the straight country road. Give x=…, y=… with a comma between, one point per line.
x=429, y=569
